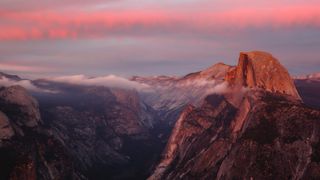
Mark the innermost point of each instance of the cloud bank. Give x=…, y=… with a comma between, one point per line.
x=107, y=81
x=221, y=88
x=24, y=83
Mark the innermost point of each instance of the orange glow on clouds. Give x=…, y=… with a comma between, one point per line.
x=79, y=24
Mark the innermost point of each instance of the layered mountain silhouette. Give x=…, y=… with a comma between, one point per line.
x=249, y=121
x=309, y=88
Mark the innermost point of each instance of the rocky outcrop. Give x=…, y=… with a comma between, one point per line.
x=192, y=123
x=9, y=76
x=27, y=150
x=215, y=72
x=108, y=131
x=131, y=116
x=6, y=131
x=20, y=107
x=169, y=95
x=261, y=70
x=269, y=136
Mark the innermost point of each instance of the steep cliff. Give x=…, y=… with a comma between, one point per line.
x=261, y=70
x=169, y=95
x=267, y=137
x=108, y=131
x=20, y=106
x=27, y=150
x=268, y=134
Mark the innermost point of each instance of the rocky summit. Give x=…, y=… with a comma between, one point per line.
x=261, y=70
x=268, y=134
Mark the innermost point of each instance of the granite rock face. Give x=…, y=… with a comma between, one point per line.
x=27, y=150
x=6, y=131
x=169, y=95
x=269, y=133
x=268, y=136
x=20, y=107
x=261, y=70
x=214, y=72
x=107, y=131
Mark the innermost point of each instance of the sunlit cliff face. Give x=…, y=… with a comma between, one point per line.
x=131, y=37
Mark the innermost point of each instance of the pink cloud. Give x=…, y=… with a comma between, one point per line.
x=79, y=24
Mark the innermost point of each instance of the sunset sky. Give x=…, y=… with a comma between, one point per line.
x=149, y=37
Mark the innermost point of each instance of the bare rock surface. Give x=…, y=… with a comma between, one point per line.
x=27, y=151
x=267, y=134
x=274, y=138
x=20, y=107
x=261, y=70
x=6, y=131
x=214, y=72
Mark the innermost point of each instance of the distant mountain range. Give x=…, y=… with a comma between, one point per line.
x=313, y=76
x=250, y=121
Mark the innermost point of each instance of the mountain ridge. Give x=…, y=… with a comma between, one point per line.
x=206, y=119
